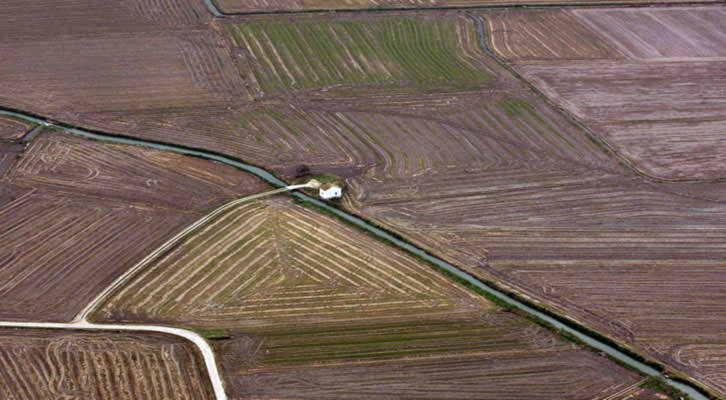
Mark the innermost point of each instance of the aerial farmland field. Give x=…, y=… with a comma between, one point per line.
x=588, y=182
x=47, y=364
x=9, y=152
x=550, y=215
x=656, y=249
x=520, y=36
x=80, y=213
x=300, y=297
x=128, y=66
x=357, y=52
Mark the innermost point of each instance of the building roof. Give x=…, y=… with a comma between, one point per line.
x=329, y=186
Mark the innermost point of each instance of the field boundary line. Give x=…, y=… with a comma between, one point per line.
x=218, y=12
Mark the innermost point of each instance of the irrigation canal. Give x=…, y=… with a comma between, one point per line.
x=459, y=273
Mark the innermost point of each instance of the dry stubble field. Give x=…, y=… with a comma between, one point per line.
x=315, y=309
x=75, y=214
x=55, y=364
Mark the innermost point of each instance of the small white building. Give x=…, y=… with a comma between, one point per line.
x=330, y=191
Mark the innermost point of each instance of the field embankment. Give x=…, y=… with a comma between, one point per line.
x=252, y=6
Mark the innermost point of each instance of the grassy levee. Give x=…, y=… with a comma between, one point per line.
x=660, y=386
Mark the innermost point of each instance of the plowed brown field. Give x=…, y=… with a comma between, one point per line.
x=313, y=306
x=662, y=34
x=544, y=35
x=662, y=107
x=80, y=213
x=640, y=261
x=8, y=154
x=129, y=63
x=12, y=129
x=49, y=364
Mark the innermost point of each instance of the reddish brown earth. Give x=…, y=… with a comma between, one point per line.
x=8, y=154
x=133, y=61
x=642, y=262
x=665, y=118
x=48, y=364
x=12, y=129
x=505, y=375
x=662, y=34
x=544, y=35
x=80, y=213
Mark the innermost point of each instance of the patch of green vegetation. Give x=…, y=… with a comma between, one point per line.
x=515, y=107
x=213, y=334
x=401, y=51
x=327, y=178
x=659, y=385
x=385, y=339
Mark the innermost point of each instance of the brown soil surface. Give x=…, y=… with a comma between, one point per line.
x=544, y=35
x=8, y=154
x=50, y=364
x=666, y=118
x=80, y=213
x=662, y=34
x=481, y=171
x=518, y=374
x=138, y=58
x=12, y=129
x=314, y=306
x=661, y=107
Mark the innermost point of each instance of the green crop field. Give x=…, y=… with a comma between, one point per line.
x=312, y=54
